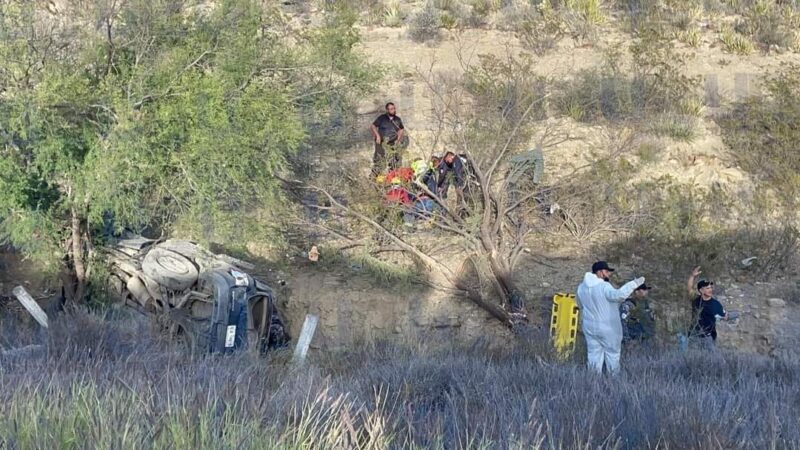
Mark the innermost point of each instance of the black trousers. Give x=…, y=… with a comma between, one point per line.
x=386, y=156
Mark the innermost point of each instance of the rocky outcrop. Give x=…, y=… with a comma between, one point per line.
x=768, y=325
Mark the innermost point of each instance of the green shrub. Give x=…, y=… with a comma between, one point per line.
x=596, y=203
x=447, y=5
x=763, y=135
x=505, y=87
x=690, y=37
x=372, y=12
x=425, y=23
x=540, y=31
x=596, y=94
x=772, y=25
x=735, y=42
x=393, y=14
x=641, y=14
x=680, y=127
x=649, y=151
x=590, y=10
x=656, y=92
x=684, y=16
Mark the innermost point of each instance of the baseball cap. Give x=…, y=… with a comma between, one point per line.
x=704, y=283
x=643, y=287
x=601, y=265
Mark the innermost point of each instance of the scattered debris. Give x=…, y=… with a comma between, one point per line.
x=313, y=254
x=747, y=262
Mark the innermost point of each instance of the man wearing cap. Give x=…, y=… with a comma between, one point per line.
x=599, y=303
x=636, y=315
x=705, y=308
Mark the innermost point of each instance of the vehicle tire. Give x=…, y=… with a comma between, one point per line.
x=184, y=331
x=169, y=269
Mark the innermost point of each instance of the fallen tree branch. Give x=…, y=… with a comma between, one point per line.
x=426, y=259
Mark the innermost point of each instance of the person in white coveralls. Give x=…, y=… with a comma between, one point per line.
x=599, y=304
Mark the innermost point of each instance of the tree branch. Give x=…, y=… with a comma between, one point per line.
x=431, y=262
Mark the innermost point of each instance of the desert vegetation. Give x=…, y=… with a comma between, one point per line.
x=740, y=26
x=215, y=122
x=109, y=383
x=133, y=121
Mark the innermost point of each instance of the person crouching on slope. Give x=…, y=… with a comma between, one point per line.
x=599, y=303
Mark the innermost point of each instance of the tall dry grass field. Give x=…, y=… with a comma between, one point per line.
x=111, y=384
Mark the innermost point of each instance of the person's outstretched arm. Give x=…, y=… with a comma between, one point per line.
x=619, y=295
x=690, y=284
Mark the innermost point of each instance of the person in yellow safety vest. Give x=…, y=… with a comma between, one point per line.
x=599, y=304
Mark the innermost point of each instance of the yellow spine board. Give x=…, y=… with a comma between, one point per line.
x=564, y=323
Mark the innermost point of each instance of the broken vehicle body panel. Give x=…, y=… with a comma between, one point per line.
x=207, y=300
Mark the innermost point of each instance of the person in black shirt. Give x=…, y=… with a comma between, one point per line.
x=387, y=131
x=450, y=170
x=705, y=308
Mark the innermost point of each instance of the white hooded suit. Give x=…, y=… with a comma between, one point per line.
x=602, y=327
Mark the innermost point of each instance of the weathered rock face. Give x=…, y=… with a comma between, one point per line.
x=768, y=325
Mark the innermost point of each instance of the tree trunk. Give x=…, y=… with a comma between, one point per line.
x=506, y=286
x=473, y=292
x=77, y=258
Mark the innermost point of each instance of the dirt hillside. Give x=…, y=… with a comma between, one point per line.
x=351, y=308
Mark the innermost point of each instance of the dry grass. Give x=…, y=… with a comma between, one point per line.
x=110, y=384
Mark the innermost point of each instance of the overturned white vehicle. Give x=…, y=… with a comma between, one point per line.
x=208, y=301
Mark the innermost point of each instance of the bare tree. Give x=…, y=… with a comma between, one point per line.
x=494, y=117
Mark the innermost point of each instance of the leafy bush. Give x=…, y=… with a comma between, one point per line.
x=590, y=10
x=771, y=24
x=505, y=87
x=762, y=133
x=540, y=29
x=641, y=14
x=393, y=15
x=656, y=94
x=425, y=23
x=596, y=94
x=735, y=42
x=449, y=21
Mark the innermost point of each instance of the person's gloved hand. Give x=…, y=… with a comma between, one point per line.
x=639, y=281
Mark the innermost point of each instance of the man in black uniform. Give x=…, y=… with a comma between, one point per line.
x=706, y=309
x=450, y=171
x=387, y=131
x=638, y=322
